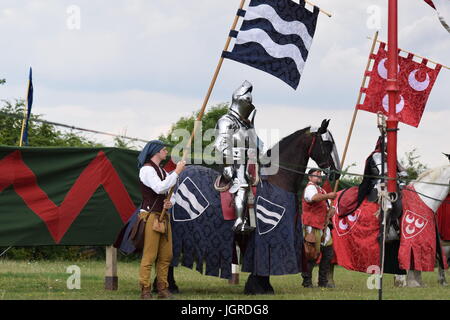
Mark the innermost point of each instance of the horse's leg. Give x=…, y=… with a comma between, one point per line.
x=414, y=279
x=400, y=280
x=253, y=286
x=173, y=288
x=441, y=277
x=265, y=281
x=258, y=285
x=331, y=275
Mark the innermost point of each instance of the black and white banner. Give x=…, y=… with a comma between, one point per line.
x=275, y=37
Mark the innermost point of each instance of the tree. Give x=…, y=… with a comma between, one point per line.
x=209, y=121
x=412, y=164
x=39, y=134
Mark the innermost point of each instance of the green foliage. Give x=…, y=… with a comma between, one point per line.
x=120, y=142
x=349, y=180
x=209, y=121
x=412, y=164
x=39, y=134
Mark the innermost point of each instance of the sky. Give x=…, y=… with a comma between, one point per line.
x=135, y=67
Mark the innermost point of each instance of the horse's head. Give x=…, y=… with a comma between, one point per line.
x=323, y=150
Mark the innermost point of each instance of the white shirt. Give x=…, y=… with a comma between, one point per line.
x=310, y=192
x=150, y=178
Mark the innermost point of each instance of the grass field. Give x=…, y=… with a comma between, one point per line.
x=22, y=280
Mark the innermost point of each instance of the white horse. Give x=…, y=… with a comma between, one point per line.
x=432, y=187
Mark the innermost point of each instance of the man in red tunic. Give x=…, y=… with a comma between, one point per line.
x=315, y=217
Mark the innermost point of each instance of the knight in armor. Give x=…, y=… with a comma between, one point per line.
x=372, y=173
x=239, y=147
x=368, y=187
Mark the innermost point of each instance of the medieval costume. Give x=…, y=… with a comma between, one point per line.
x=314, y=220
x=155, y=183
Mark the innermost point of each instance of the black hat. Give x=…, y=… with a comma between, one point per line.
x=311, y=171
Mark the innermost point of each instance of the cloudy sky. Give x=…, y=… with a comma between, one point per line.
x=137, y=66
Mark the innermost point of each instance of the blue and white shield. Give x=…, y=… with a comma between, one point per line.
x=268, y=215
x=190, y=202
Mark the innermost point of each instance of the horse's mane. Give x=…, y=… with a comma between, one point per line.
x=286, y=141
x=432, y=174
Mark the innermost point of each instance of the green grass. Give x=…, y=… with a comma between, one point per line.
x=43, y=280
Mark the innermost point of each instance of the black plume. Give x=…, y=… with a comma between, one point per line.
x=447, y=155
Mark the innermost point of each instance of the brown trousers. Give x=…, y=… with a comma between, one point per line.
x=157, y=247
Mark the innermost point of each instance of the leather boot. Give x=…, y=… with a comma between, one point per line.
x=146, y=293
x=324, y=266
x=307, y=275
x=163, y=291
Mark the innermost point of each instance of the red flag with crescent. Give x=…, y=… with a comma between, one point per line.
x=415, y=80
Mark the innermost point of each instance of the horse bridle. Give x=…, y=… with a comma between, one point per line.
x=310, y=150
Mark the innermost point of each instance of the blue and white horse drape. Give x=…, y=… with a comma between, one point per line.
x=275, y=247
x=275, y=37
x=202, y=236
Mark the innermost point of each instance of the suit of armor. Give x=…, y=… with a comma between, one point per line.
x=239, y=146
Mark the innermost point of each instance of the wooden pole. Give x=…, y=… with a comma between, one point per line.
x=409, y=52
x=355, y=112
x=323, y=11
x=25, y=113
x=111, y=278
x=205, y=101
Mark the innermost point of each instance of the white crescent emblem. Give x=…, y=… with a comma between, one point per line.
x=399, y=107
x=410, y=231
x=343, y=225
x=382, y=71
x=417, y=85
x=408, y=219
x=352, y=217
x=419, y=225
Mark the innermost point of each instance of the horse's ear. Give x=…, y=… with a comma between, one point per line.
x=323, y=126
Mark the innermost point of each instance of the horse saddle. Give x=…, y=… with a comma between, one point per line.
x=221, y=184
x=347, y=202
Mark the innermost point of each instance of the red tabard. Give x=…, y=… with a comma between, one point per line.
x=314, y=214
x=418, y=234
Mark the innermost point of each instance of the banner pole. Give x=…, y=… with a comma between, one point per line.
x=323, y=11
x=25, y=113
x=205, y=101
x=355, y=111
x=416, y=55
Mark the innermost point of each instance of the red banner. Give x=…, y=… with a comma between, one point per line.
x=415, y=81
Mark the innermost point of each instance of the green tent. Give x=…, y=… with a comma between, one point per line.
x=66, y=196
